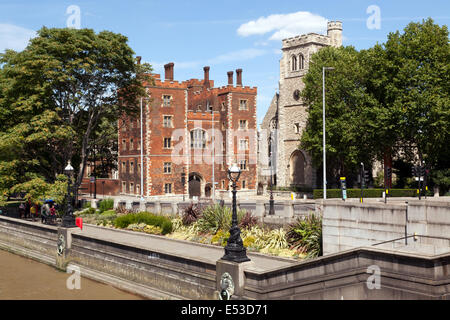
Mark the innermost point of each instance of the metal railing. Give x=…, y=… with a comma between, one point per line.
x=415, y=236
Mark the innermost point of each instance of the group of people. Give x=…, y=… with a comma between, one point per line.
x=47, y=211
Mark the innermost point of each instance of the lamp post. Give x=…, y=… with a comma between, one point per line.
x=235, y=250
x=142, y=156
x=271, y=202
x=68, y=220
x=323, y=132
x=183, y=182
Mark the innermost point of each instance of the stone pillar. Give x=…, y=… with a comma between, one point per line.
x=142, y=205
x=128, y=204
x=236, y=271
x=288, y=211
x=94, y=203
x=174, y=206
x=63, y=245
x=116, y=203
x=260, y=211
x=157, y=207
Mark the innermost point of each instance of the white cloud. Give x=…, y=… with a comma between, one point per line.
x=14, y=37
x=284, y=25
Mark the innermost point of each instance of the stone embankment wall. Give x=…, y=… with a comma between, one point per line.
x=157, y=274
x=348, y=225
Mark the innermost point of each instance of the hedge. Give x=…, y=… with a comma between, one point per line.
x=367, y=193
x=291, y=189
x=106, y=204
x=144, y=217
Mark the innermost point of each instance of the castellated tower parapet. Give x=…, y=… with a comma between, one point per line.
x=334, y=32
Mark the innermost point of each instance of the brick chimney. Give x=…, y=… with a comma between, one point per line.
x=239, y=77
x=230, y=78
x=138, y=59
x=168, y=71
x=206, y=77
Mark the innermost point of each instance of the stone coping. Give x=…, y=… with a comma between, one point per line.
x=355, y=251
x=261, y=261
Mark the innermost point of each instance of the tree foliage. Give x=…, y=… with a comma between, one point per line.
x=66, y=85
x=392, y=98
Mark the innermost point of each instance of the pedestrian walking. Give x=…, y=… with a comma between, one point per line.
x=45, y=212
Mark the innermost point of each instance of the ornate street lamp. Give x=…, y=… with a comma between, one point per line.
x=235, y=250
x=68, y=220
x=271, y=202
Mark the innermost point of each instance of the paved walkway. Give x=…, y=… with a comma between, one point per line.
x=201, y=252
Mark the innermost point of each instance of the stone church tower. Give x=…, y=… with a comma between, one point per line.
x=288, y=114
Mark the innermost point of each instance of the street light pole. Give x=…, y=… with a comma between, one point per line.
x=213, y=158
x=142, y=159
x=235, y=250
x=271, y=202
x=323, y=133
x=68, y=220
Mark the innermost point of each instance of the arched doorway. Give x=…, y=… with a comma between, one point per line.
x=208, y=188
x=297, y=168
x=195, y=182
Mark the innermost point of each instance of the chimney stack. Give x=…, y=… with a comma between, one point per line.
x=239, y=77
x=206, y=77
x=138, y=59
x=230, y=78
x=168, y=68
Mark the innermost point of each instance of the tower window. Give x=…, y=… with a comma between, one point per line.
x=301, y=61
x=294, y=63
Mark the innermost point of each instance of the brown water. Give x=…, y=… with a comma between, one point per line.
x=23, y=278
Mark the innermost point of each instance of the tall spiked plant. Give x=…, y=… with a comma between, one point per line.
x=305, y=235
x=216, y=218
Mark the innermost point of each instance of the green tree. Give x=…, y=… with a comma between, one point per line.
x=392, y=99
x=55, y=93
x=349, y=120
x=418, y=83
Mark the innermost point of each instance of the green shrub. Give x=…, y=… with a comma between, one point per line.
x=86, y=205
x=305, y=235
x=367, y=193
x=106, y=204
x=91, y=210
x=144, y=217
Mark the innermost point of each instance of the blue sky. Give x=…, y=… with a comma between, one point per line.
x=225, y=35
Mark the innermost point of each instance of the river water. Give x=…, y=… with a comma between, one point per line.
x=23, y=278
